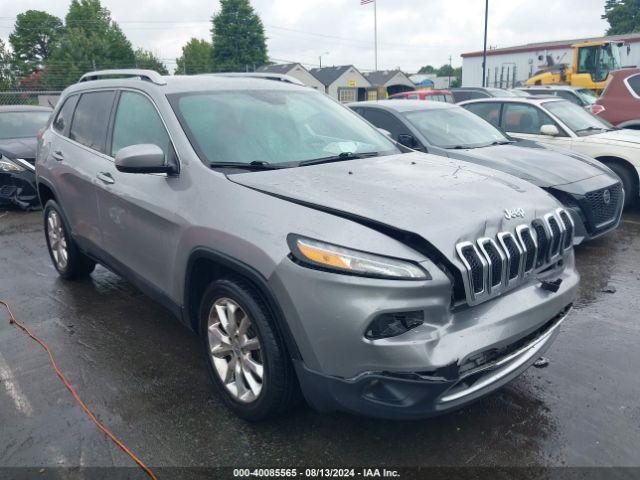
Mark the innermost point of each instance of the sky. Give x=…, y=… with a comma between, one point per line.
x=411, y=33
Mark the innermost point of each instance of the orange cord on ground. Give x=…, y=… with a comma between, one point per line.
x=12, y=320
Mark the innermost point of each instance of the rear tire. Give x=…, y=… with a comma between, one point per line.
x=630, y=189
x=248, y=361
x=67, y=258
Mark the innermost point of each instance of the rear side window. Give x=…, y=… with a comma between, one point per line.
x=63, y=119
x=569, y=96
x=634, y=84
x=91, y=119
x=137, y=121
x=489, y=111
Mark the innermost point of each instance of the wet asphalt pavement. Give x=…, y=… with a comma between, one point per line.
x=144, y=376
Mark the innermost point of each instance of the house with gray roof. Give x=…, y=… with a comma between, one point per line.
x=345, y=83
x=389, y=82
x=294, y=70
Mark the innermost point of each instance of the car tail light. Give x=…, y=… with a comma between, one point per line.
x=596, y=109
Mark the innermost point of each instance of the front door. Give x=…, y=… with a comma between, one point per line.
x=522, y=120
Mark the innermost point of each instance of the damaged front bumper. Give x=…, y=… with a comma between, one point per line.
x=425, y=394
x=19, y=189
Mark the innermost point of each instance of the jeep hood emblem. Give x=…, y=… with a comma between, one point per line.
x=510, y=213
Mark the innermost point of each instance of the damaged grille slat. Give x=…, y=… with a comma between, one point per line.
x=495, y=265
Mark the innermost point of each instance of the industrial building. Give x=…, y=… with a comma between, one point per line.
x=512, y=66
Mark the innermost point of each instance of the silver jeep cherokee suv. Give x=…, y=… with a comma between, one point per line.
x=310, y=252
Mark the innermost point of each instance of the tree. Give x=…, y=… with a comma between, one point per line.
x=238, y=37
x=34, y=36
x=427, y=69
x=6, y=77
x=623, y=16
x=197, y=57
x=445, y=71
x=146, y=59
x=91, y=41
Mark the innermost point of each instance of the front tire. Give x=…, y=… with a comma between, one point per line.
x=247, y=359
x=630, y=192
x=67, y=258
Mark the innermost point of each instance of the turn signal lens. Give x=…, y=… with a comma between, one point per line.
x=345, y=260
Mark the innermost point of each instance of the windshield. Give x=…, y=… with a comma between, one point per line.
x=22, y=124
x=455, y=128
x=587, y=96
x=577, y=118
x=274, y=127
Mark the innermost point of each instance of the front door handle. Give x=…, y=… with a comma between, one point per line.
x=106, y=177
x=57, y=155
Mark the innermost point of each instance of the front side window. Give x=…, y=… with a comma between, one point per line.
x=136, y=122
x=22, y=124
x=63, y=119
x=580, y=121
x=274, y=126
x=91, y=119
x=455, y=128
x=522, y=118
x=569, y=96
x=490, y=111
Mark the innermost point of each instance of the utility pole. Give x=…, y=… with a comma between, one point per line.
x=320, y=58
x=450, y=68
x=375, y=34
x=484, y=50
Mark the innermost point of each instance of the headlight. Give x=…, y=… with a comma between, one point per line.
x=7, y=165
x=344, y=260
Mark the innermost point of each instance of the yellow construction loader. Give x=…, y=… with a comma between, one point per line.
x=592, y=64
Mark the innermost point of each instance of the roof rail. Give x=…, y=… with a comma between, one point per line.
x=147, y=75
x=263, y=75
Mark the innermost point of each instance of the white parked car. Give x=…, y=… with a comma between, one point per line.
x=558, y=123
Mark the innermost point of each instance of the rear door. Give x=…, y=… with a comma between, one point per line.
x=138, y=211
x=77, y=151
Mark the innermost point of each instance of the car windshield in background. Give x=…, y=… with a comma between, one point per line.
x=587, y=96
x=577, y=118
x=498, y=92
x=21, y=124
x=455, y=128
x=274, y=127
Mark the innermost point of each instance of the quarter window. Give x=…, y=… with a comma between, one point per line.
x=137, y=121
x=91, y=118
x=520, y=118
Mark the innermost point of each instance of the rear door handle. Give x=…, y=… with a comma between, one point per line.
x=57, y=155
x=106, y=177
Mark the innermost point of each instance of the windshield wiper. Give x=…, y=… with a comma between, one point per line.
x=591, y=129
x=256, y=165
x=337, y=158
x=502, y=142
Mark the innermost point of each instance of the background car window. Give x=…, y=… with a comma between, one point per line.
x=459, y=96
x=634, y=84
x=521, y=118
x=91, y=118
x=386, y=121
x=413, y=96
x=137, y=121
x=474, y=95
x=489, y=111
x=63, y=119
x=569, y=96
x=22, y=124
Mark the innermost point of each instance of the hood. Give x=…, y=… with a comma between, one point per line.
x=542, y=166
x=442, y=200
x=625, y=136
x=19, y=147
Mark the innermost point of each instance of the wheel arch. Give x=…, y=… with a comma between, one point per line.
x=627, y=165
x=206, y=265
x=46, y=192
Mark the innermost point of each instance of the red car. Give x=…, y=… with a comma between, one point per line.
x=619, y=104
x=433, y=95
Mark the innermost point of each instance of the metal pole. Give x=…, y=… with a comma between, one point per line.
x=449, y=71
x=375, y=34
x=320, y=60
x=484, y=50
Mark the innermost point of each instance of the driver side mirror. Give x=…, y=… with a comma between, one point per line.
x=408, y=140
x=143, y=158
x=549, y=130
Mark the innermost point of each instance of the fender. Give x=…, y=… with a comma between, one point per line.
x=248, y=272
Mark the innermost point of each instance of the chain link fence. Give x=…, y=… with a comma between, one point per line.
x=44, y=98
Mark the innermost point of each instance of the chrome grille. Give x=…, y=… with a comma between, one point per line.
x=494, y=265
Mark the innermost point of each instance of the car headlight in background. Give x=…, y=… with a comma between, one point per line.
x=326, y=256
x=8, y=166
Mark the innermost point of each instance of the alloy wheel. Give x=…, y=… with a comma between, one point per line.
x=57, y=240
x=235, y=350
